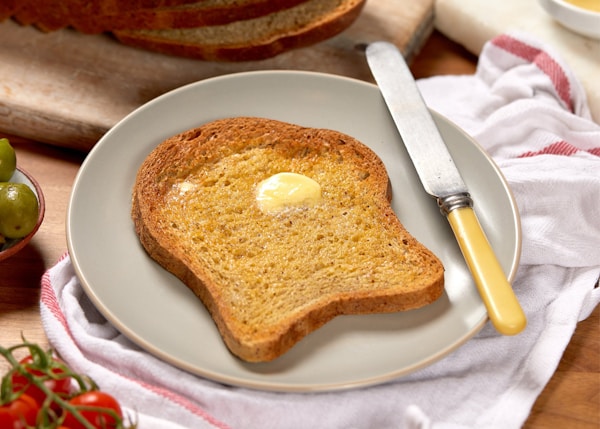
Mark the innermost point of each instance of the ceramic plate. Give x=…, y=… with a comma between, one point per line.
x=156, y=311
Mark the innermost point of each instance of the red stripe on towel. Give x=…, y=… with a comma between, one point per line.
x=560, y=148
x=543, y=61
x=181, y=401
x=49, y=299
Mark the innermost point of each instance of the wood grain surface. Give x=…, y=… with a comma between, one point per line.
x=570, y=400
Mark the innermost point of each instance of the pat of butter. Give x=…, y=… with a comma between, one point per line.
x=284, y=190
x=185, y=187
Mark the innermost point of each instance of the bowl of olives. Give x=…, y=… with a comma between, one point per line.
x=22, y=204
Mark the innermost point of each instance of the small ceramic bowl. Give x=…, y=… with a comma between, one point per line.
x=578, y=19
x=13, y=246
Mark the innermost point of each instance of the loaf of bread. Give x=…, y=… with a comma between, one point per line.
x=305, y=24
x=197, y=14
x=7, y=9
x=203, y=13
x=268, y=278
x=214, y=30
x=61, y=11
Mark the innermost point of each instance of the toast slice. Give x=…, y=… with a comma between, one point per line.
x=305, y=24
x=270, y=278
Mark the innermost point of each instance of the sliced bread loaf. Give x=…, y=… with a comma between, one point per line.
x=8, y=8
x=55, y=14
x=253, y=39
x=202, y=13
x=12, y=8
x=270, y=278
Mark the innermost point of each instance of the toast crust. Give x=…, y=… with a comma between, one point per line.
x=269, y=280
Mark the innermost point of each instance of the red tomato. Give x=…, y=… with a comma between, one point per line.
x=61, y=386
x=100, y=418
x=19, y=414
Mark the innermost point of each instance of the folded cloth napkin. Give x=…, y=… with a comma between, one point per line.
x=526, y=108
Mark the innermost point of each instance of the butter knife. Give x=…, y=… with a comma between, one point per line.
x=442, y=180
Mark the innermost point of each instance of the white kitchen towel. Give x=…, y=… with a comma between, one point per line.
x=526, y=108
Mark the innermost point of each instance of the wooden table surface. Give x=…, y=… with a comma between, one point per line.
x=570, y=400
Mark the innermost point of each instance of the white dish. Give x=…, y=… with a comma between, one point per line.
x=161, y=315
x=585, y=22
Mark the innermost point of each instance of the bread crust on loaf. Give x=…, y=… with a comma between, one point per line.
x=8, y=8
x=202, y=181
x=325, y=25
x=55, y=14
x=211, y=30
x=185, y=16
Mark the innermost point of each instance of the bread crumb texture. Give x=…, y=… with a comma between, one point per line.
x=265, y=275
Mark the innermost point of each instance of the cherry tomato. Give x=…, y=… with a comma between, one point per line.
x=19, y=414
x=60, y=386
x=100, y=418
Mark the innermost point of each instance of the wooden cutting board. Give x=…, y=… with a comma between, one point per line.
x=474, y=22
x=68, y=89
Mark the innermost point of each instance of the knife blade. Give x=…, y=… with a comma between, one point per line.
x=442, y=180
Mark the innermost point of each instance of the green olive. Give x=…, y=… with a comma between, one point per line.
x=19, y=210
x=8, y=160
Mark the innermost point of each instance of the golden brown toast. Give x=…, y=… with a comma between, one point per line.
x=270, y=278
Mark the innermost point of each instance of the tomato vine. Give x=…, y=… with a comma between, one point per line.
x=43, y=386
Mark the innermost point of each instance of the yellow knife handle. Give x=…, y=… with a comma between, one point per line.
x=502, y=305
